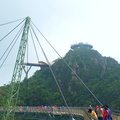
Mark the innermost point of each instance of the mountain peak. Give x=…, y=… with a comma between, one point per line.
x=81, y=45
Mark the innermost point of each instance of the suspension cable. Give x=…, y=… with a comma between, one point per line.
x=13, y=42
x=11, y=22
x=34, y=45
x=53, y=74
x=69, y=66
x=11, y=31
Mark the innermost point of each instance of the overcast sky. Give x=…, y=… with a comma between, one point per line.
x=66, y=22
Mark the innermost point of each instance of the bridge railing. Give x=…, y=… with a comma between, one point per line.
x=55, y=110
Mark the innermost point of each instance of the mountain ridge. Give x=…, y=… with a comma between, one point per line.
x=100, y=74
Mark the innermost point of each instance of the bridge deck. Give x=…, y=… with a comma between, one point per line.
x=77, y=111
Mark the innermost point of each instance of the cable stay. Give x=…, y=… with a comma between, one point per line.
x=53, y=74
x=34, y=45
x=11, y=45
x=11, y=31
x=11, y=22
x=15, y=82
x=17, y=72
x=68, y=66
x=40, y=64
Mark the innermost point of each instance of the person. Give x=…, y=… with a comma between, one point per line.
x=99, y=112
x=109, y=113
x=96, y=109
x=105, y=113
x=92, y=114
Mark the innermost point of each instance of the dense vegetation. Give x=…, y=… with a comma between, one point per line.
x=100, y=74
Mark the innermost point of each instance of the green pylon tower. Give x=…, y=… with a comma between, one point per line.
x=17, y=73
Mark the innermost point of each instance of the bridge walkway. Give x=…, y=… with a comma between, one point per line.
x=54, y=110
x=77, y=111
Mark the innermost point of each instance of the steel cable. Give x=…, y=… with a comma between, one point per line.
x=53, y=74
x=68, y=66
x=13, y=42
x=34, y=45
x=11, y=31
x=11, y=22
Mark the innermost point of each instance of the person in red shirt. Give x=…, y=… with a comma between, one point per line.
x=105, y=113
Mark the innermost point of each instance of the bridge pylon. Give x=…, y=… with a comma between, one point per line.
x=17, y=73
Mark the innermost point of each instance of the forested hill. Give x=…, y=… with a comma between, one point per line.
x=101, y=75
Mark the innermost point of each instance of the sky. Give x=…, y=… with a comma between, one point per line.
x=63, y=23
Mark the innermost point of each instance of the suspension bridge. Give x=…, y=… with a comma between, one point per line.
x=11, y=108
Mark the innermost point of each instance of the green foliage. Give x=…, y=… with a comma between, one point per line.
x=100, y=74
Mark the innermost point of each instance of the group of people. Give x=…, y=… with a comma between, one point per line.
x=100, y=113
